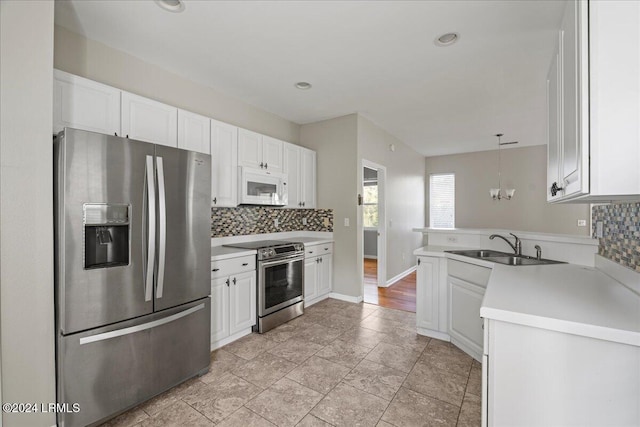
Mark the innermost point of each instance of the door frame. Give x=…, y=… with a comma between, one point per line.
x=382, y=222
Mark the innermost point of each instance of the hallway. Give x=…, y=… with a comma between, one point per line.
x=401, y=295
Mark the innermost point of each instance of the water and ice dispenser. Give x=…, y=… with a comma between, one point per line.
x=106, y=235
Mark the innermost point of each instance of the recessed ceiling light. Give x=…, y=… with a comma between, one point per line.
x=303, y=85
x=447, y=39
x=171, y=5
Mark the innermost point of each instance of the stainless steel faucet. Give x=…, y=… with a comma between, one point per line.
x=538, y=251
x=517, y=248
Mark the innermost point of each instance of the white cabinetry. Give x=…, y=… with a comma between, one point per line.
x=148, y=120
x=84, y=104
x=466, y=285
x=233, y=299
x=593, y=132
x=260, y=151
x=194, y=132
x=224, y=164
x=431, y=297
x=300, y=166
x=538, y=377
x=318, y=272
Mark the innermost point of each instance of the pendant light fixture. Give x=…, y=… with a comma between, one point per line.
x=496, y=193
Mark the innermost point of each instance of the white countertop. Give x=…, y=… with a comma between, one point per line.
x=310, y=241
x=566, y=298
x=436, y=250
x=224, y=252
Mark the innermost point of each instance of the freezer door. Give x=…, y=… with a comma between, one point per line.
x=109, y=370
x=102, y=195
x=183, y=226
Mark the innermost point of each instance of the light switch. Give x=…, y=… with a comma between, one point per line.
x=346, y=222
x=582, y=223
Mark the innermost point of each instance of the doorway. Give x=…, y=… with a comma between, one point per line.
x=373, y=230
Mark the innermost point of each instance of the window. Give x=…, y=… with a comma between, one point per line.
x=370, y=205
x=442, y=200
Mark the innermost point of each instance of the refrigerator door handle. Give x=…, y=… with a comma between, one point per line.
x=162, y=225
x=133, y=329
x=150, y=188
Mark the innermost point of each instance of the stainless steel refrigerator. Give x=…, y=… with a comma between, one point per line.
x=132, y=273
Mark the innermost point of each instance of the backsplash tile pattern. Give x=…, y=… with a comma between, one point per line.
x=246, y=220
x=621, y=231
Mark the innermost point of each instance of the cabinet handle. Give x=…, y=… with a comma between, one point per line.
x=303, y=204
x=234, y=280
x=227, y=282
x=261, y=165
x=418, y=261
x=266, y=166
x=115, y=134
x=215, y=200
x=244, y=264
x=321, y=260
x=326, y=249
x=310, y=252
x=216, y=269
x=317, y=260
x=127, y=136
x=300, y=204
x=555, y=189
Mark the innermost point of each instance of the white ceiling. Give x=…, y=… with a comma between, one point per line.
x=376, y=58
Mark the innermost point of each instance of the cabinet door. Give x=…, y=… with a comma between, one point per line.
x=272, y=154
x=84, y=104
x=250, y=149
x=308, y=178
x=427, y=293
x=193, y=132
x=242, y=302
x=465, y=323
x=553, y=129
x=325, y=276
x=311, y=266
x=148, y=120
x=224, y=164
x=219, y=309
x=291, y=167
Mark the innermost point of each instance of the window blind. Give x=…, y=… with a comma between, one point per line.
x=442, y=200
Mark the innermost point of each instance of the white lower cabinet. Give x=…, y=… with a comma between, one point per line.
x=465, y=324
x=233, y=299
x=318, y=272
x=431, y=294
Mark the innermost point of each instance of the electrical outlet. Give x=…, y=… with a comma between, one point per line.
x=599, y=229
x=325, y=221
x=452, y=239
x=346, y=222
x=276, y=222
x=304, y=221
x=582, y=223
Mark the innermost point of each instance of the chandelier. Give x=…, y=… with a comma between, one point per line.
x=497, y=193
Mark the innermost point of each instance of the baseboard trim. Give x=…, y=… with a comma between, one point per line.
x=394, y=279
x=371, y=257
x=443, y=336
x=230, y=339
x=315, y=300
x=347, y=298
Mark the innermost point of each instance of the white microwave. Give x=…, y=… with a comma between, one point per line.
x=261, y=187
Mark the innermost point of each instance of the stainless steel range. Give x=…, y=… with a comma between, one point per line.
x=280, y=270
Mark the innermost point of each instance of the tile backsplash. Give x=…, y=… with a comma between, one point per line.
x=621, y=233
x=246, y=220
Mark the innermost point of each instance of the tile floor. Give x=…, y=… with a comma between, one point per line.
x=340, y=364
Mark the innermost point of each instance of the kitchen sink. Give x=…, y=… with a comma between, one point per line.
x=505, y=258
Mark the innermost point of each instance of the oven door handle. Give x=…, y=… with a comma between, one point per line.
x=284, y=260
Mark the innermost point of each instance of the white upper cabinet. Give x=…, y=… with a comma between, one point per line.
x=84, y=104
x=194, y=132
x=259, y=151
x=300, y=166
x=148, y=120
x=594, y=145
x=224, y=164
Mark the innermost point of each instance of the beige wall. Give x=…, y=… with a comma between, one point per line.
x=26, y=227
x=87, y=58
x=335, y=142
x=523, y=169
x=404, y=192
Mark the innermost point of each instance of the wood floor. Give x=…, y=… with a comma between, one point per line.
x=401, y=295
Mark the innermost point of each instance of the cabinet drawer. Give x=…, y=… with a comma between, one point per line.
x=225, y=267
x=317, y=250
x=469, y=272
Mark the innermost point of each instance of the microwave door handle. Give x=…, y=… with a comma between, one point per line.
x=150, y=219
x=162, y=226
